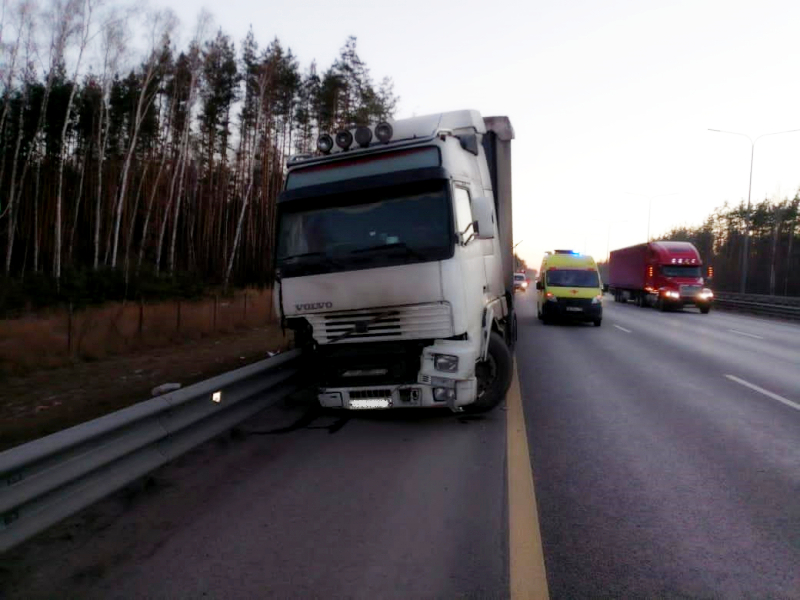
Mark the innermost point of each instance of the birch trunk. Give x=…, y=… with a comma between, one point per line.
x=12, y=220
x=85, y=25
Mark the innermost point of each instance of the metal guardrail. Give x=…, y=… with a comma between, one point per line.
x=49, y=479
x=774, y=306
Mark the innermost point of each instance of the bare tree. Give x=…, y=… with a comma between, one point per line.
x=23, y=11
x=154, y=190
x=113, y=46
x=195, y=64
x=26, y=25
x=251, y=175
x=80, y=13
x=162, y=24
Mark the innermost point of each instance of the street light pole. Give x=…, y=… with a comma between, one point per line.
x=514, y=256
x=746, y=249
x=650, y=206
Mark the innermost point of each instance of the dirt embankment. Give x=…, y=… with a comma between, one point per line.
x=46, y=387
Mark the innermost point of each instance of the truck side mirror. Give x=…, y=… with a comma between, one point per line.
x=483, y=213
x=539, y=285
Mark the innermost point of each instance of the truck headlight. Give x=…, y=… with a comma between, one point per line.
x=445, y=362
x=597, y=299
x=443, y=394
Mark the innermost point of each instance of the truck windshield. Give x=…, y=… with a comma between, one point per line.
x=572, y=278
x=368, y=229
x=680, y=271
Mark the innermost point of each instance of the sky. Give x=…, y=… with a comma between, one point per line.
x=610, y=101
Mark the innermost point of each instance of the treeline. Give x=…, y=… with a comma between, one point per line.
x=112, y=178
x=774, y=254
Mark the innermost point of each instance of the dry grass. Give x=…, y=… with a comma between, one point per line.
x=43, y=401
x=56, y=339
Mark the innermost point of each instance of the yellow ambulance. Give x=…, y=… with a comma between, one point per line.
x=569, y=286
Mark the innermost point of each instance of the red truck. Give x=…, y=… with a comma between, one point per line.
x=661, y=274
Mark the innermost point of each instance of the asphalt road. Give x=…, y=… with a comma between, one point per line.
x=657, y=473
x=664, y=452
x=369, y=506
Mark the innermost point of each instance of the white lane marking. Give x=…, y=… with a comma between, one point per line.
x=623, y=329
x=763, y=391
x=758, y=337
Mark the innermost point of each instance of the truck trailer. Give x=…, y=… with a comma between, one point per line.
x=665, y=275
x=394, y=263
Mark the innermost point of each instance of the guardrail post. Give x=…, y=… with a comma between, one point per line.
x=141, y=317
x=69, y=330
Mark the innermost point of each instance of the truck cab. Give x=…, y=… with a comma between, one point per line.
x=394, y=263
x=675, y=278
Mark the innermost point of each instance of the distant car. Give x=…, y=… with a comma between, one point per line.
x=520, y=281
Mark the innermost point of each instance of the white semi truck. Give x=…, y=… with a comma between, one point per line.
x=394, y=262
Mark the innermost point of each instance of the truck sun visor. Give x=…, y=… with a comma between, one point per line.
x=386, y=162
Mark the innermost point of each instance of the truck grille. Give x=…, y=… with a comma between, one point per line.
x=374, y=365
x=370, y=394
x=419, y=321
x=690, y=290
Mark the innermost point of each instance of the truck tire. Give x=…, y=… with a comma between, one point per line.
x=598, y=322
x=494, y=376
x=661, y=305
x=705, y=309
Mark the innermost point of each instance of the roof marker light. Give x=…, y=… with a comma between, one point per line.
x=384, y=132
x=363, y=136
x=344, y=139
x=324, y=143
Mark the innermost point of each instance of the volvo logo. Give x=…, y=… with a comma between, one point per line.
x=313, y=306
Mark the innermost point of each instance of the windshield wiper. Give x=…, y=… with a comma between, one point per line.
x=409, y=250
x=324, y=258
x=302, y=255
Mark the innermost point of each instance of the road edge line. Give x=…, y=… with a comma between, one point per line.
x=527, y=575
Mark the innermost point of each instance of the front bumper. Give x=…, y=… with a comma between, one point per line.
x=699, y=301
x=419, y=395
x=579, y=309
x=375, y=380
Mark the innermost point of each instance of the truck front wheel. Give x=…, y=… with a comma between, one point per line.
x=494, y=376
x=705, y=308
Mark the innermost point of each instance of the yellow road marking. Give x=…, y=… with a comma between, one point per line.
x=527, y=577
